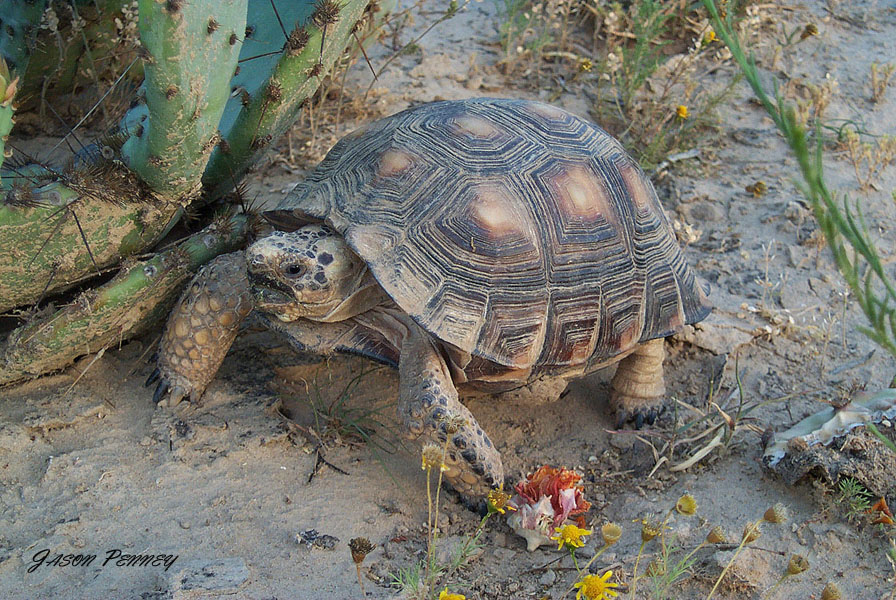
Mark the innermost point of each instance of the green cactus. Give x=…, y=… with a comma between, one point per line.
x=7, y=93
x=61, y=226
x=193, y=49
x=21, y=21
x=74, y=46
x=138, y=296
x=50, y=218
x=272, y=87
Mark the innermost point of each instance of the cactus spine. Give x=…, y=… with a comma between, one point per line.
x=125, y=305
x=192, y=49
x=271, y=89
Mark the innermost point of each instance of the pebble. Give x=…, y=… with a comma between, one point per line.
x=219, y=574
x=549, y=578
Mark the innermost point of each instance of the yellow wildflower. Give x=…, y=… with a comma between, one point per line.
x=682, y=111
x=497, y=501
x=611, y=532
x=650, y=528
x=709, y=38
x=433, y=456
x=686, y=505
x=571, y=536
x=445, y=595
x=585, y=65
x=593, y=587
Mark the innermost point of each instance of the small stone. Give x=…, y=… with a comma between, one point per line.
x=549, y=578
x=146, y=441
x=474, y=83
x=220, y=574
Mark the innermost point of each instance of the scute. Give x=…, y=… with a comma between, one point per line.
x=510, y=229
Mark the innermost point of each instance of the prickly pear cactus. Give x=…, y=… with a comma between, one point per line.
x=76, y=46
x=141, y=292
x=215, y=96
x=7, y=94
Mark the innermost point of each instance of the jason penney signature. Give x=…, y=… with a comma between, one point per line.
x=114, y=557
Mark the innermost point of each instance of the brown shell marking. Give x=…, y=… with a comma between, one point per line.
x=494, y=211
x=579, y=193
x=476, y=127
x=394, y=162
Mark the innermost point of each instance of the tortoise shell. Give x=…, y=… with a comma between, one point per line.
x=512, y=230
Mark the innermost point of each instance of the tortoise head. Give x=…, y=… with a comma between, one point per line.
x=309, y=273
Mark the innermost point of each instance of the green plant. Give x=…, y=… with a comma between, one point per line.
x=334, y=416
x=853, y=249
x=854, y=497
x=423, y=579
x=651, y=99
x=222, y=81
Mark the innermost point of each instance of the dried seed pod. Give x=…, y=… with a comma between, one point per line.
x=360, y=548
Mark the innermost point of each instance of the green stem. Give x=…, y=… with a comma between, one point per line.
x=635, y=571
x=743, y=542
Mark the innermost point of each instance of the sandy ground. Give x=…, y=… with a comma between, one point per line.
x=231, y=488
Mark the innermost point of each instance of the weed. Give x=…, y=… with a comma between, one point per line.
x=422, y=580
x=337, y=418
x=869, y=158
x=528, y=28
x=655, y=103
x=854, y=251
x=854, y=497
x=880, y=80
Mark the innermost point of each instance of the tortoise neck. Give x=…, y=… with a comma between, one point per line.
x=364, y=294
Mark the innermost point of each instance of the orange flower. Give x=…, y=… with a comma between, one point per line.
x=567, y=498
x=882, y=512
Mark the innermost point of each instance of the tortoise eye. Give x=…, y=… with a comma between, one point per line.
x=294, y=270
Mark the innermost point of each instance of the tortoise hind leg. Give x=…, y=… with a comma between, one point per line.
x=429, y=407
x=638, y=389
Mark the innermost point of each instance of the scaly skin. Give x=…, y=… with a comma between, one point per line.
x=201, y=329
x=205, y=321
x=638, y=389
x=429, y=407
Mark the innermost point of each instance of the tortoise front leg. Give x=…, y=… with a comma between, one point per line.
x=638, y=389
x=429, y=407
x=201, y=329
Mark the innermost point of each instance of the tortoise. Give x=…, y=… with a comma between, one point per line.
x=482, y=245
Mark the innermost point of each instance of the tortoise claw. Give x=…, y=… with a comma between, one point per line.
x=160, y=391
x=638, y=418
x=153, y=377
